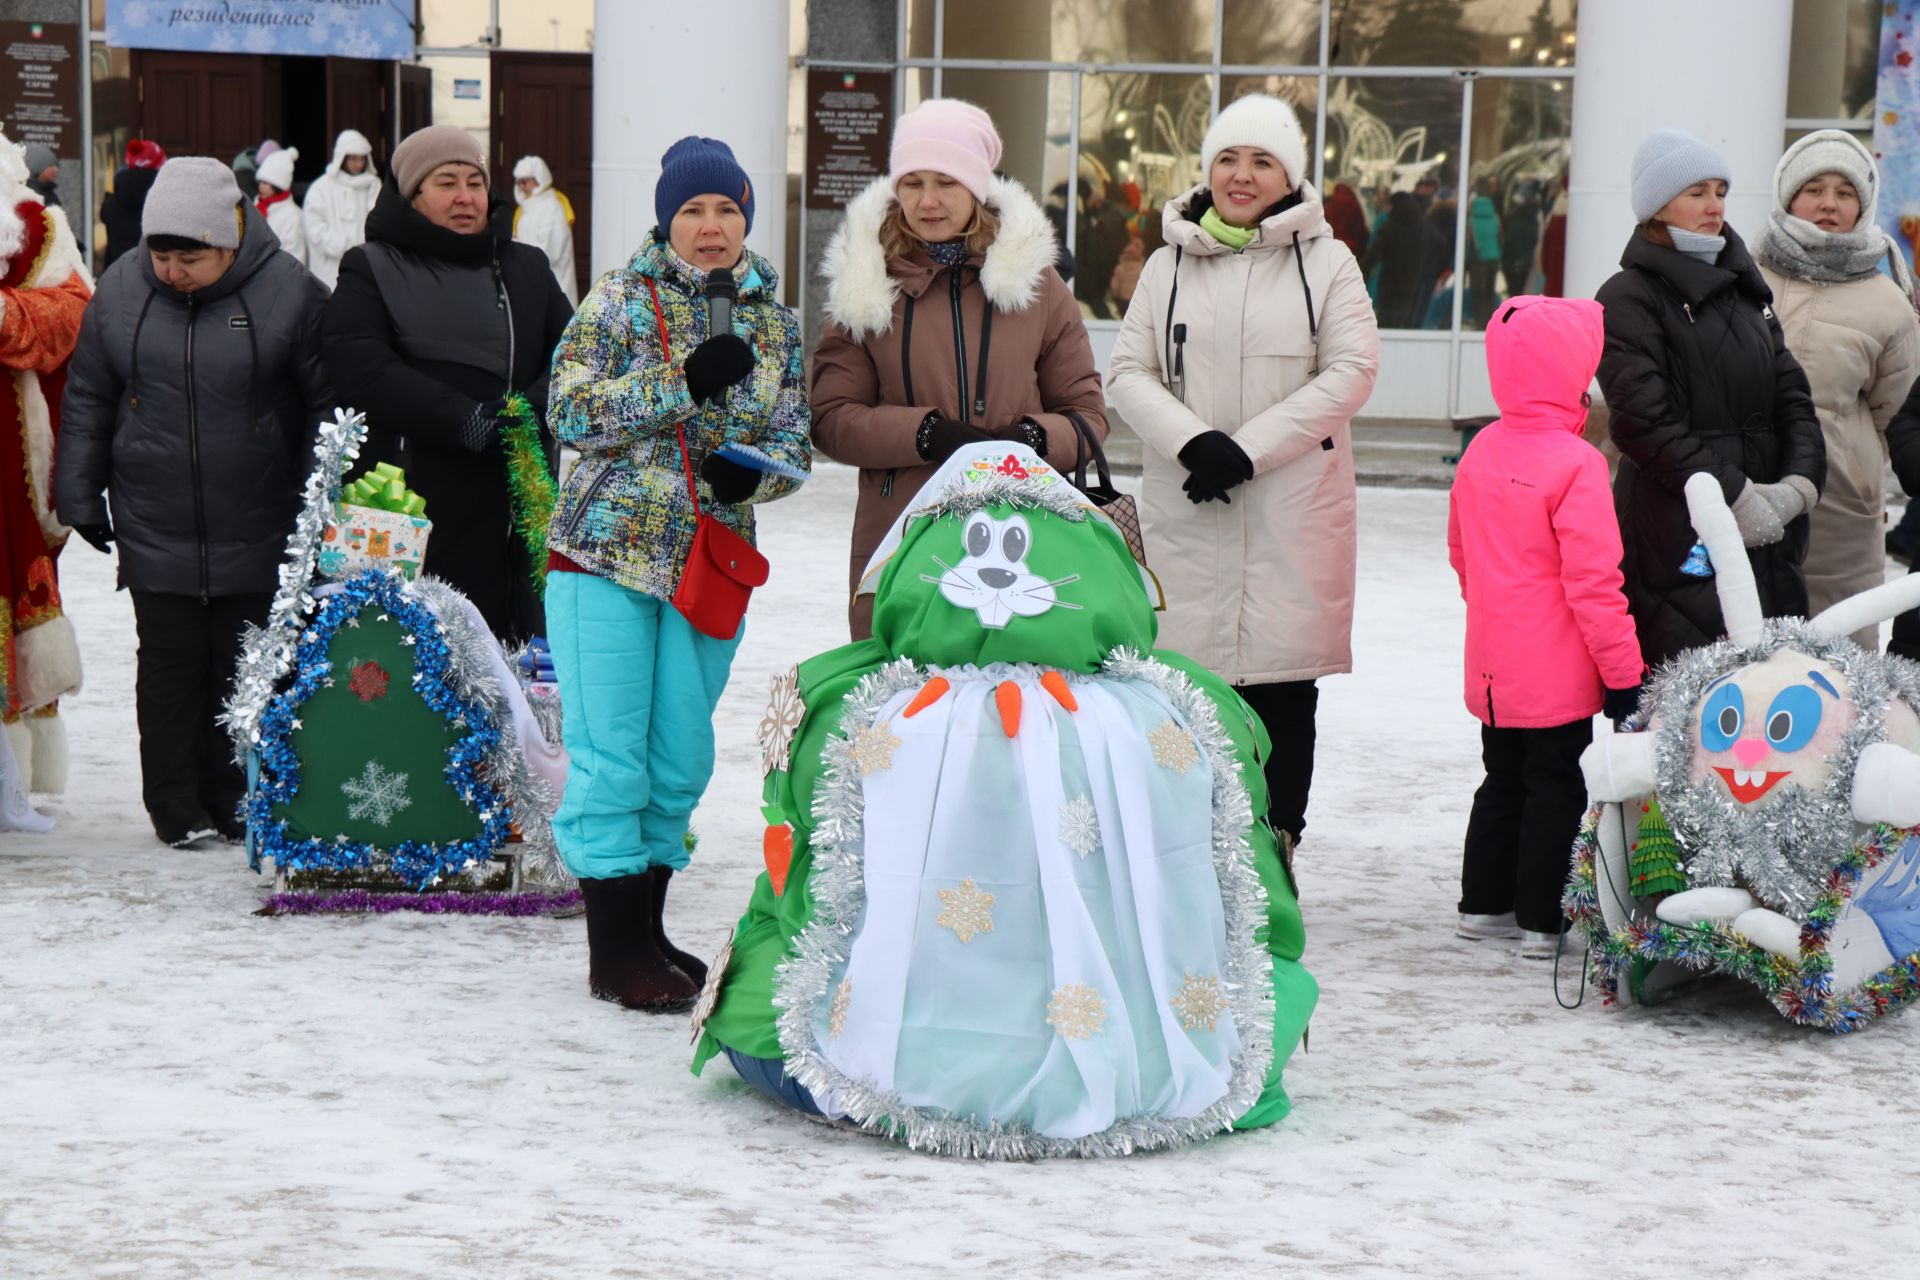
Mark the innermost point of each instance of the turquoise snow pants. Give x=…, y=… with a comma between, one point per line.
x=638, y=686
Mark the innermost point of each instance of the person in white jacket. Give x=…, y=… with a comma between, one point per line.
x=545, y=220
x=275, y=181
x=1247, y=348
x=338, y=203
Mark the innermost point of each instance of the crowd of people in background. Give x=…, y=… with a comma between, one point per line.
x=236, y=307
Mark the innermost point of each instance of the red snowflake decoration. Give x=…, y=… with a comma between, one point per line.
x=368, y=681
x=1904, y=58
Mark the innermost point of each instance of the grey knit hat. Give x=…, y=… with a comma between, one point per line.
x=429, y=148
x=1827, y=151
x=195, y=198
x=39, y=157
x=1667, y=162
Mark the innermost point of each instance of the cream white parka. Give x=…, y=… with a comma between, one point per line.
x=1259, y=590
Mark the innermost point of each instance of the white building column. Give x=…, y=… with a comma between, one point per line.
x=1716, y=68
x=717, y=68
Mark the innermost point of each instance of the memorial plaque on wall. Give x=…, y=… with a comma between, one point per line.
x=849, y=121
x=40, y=84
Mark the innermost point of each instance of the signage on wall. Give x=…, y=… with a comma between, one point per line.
x=849, y=115
x=381, y=29
x=40, y=85
x=466, y=90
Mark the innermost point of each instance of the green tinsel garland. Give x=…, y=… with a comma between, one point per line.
x=531, y=484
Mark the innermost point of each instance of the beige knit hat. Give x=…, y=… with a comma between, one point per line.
x=431, y=147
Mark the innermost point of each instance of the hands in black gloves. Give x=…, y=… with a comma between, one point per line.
x=98, y=536
x=939, y=437
x=729, y=481
x=717, y=364
x=1621, y=703
x=1215, y=465
x=1026, y=432
x=480, y=433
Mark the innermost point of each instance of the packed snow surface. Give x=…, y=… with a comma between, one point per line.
x=188, y=1090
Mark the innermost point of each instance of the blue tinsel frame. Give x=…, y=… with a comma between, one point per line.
x=420, y=865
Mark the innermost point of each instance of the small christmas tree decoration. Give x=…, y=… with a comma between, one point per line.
x=1656, y=855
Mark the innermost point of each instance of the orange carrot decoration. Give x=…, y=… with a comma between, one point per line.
x=1056, y=684
x=930, y=693
x=1007, y=698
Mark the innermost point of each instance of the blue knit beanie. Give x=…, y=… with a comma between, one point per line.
x=696, y=166
x=1667, y=162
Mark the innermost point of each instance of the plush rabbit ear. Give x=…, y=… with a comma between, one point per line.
x=1732, y=571
x=1870, y=608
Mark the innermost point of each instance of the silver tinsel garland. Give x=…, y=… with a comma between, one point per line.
x=804, y=983
x=962, y=497
x=1785, y=850
x=266, y=653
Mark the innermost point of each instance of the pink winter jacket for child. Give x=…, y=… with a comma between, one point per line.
x=1531, y=530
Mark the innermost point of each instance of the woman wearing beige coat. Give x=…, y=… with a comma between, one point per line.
x=1248, y=347
x=1854, y=331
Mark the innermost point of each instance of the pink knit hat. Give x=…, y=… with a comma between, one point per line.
x=947, y=136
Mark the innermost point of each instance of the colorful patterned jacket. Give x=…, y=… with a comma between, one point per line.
x=624, y=512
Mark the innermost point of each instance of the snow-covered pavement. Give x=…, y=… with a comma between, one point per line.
x=187, y=1090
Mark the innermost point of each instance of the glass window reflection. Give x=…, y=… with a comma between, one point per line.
x=1451, y=33
x=1277, y=32
x=1395, y=143
x=1140, y=138
x=1080, y=30
x=1522, y=136
x=1833, y=73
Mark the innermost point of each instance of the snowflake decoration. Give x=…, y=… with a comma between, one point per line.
x=1079, y=826
x=873, y=748
x=377, y=795
x=1076, y=1011
x=1199, y=1002
x=966, y=910
x=368, y=681
x=709, y=996
x=1173, y=747
x=837, y=1014
x=782, y=721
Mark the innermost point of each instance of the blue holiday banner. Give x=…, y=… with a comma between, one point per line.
x=1896, y=123
x=380, y=29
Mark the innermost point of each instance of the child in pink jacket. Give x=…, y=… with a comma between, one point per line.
x=1532, y=534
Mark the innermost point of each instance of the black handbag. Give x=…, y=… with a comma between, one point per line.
x=1116, y=506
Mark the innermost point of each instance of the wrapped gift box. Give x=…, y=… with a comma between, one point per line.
x=378, y=524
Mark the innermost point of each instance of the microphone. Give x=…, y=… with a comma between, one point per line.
x=720, y=295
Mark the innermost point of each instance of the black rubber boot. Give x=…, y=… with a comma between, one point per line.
x=624, y=964
x=692, y=966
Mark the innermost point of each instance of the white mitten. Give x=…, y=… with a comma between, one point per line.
x=1691, y=906
x=1770, y=931
x=1886, y=786
x=1618, y=766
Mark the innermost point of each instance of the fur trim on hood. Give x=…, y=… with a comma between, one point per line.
x=860, y=293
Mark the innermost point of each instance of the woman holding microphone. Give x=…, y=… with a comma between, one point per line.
x=650, y=397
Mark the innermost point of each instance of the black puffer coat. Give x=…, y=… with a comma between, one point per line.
x=1903, y=446
x=121, y=209
x=422, y=326
x=195, y=414
x=1698, y=377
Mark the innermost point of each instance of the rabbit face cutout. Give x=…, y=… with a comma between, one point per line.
x=993, y=578
x=1775, y=722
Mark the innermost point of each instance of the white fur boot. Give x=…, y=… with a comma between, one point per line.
x=48, y=774
x=16, y=811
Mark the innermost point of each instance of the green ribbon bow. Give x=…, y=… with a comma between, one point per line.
x=385, y=489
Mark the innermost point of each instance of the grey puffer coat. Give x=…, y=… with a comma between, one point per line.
x=194, y=413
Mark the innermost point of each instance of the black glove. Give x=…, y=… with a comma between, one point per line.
x=480, y=433
x=729, y=481
x=938, y=437
x=98, y=536
x=1026, y=432
x=1215, y=465
x=717, y=364
x=1621, y=703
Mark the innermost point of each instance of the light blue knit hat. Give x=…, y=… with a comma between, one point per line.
x=1667, y=162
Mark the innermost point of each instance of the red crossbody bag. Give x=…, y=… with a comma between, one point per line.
x=723, y=568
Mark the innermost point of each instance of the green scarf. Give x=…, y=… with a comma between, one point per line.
x=1235, y=238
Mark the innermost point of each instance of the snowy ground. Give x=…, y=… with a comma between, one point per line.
x=188, y=1090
